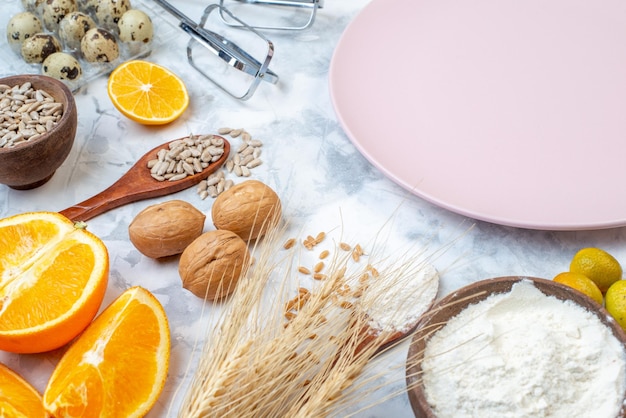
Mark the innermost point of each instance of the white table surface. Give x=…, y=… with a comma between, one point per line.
x=311, y=164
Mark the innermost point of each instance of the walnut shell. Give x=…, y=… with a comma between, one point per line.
x=249, y=209
x=210, y=267
x=166, y=228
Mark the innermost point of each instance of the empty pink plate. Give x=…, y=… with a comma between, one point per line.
x=505, y=111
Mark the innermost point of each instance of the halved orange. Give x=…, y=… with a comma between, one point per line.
x=18, y=398
x=53, y=276
x=147, y=93
x=118, y=366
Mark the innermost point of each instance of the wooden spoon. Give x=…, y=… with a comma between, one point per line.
x=137, y=184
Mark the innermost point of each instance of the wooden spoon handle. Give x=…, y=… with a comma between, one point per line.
x=138, y=184
x=115, y=196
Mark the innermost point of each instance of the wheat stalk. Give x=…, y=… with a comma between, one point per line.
x=255, y=362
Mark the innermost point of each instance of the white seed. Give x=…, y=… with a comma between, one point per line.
x=212, y=180
x=202, y=186
x=178, y=177
x=254, y=163
x=188, y=168
x=245, y=160
x=247, y=151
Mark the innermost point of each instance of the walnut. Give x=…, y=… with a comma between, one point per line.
x=210, y=267
x=166, y=228
x=249, y=209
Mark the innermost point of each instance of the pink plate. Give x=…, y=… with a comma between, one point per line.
x=512, y=112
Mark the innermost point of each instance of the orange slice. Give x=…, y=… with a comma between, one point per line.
x=17, y=397
x=118, y=366
x=147, y=93
x=53, y=277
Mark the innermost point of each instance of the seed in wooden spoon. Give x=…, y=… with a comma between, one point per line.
x=186, y=157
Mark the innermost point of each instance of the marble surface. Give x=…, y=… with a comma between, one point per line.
x=323, y=181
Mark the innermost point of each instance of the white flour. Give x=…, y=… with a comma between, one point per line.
x=396, y=307
x=524, y=354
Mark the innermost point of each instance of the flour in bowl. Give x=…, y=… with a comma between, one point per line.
x=524, y=354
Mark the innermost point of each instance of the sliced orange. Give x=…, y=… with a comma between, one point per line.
x=53, y=276
x=17, y=397
x=147, y=93
x=118, y=366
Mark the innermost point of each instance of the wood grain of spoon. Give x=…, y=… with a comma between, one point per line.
x=138, y=184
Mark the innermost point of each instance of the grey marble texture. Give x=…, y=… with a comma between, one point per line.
x=323, y=180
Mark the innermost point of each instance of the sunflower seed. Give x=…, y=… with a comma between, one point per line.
x=185, y=157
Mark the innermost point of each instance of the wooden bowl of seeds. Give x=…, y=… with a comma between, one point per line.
x=38, y=120
x=516, y=344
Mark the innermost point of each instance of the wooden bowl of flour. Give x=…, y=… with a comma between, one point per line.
x=438, y=380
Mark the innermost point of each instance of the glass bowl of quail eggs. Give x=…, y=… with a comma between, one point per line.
x=76, y=41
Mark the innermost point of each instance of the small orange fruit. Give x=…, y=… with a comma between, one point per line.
x=17, y=397
x=598, y=265
x=53, y=276
x=147, y=93
x=616, y=302
x=581, y=283
x=118, y=366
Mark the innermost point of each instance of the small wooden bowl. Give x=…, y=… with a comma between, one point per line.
x=32, y=163
x=453, y=304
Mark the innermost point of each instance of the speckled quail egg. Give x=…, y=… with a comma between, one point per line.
x=62, y=66
x=99, y=45
x=109, y=12
x=55, y=10
x=37, y=48
x=135, y=26
x=21, y=26
x=73, y=27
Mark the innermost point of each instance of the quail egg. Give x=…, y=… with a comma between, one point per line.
x=99, y=45
x=73, y=27
x=135, y=26
x=37, y=48
x=21, y=26
x=55, y=10
x=62, y=66
x=109, y=12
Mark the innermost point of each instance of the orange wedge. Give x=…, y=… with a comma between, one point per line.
x=17, y=397
x=53, y=276
x=147, y=93
x=118, y=366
